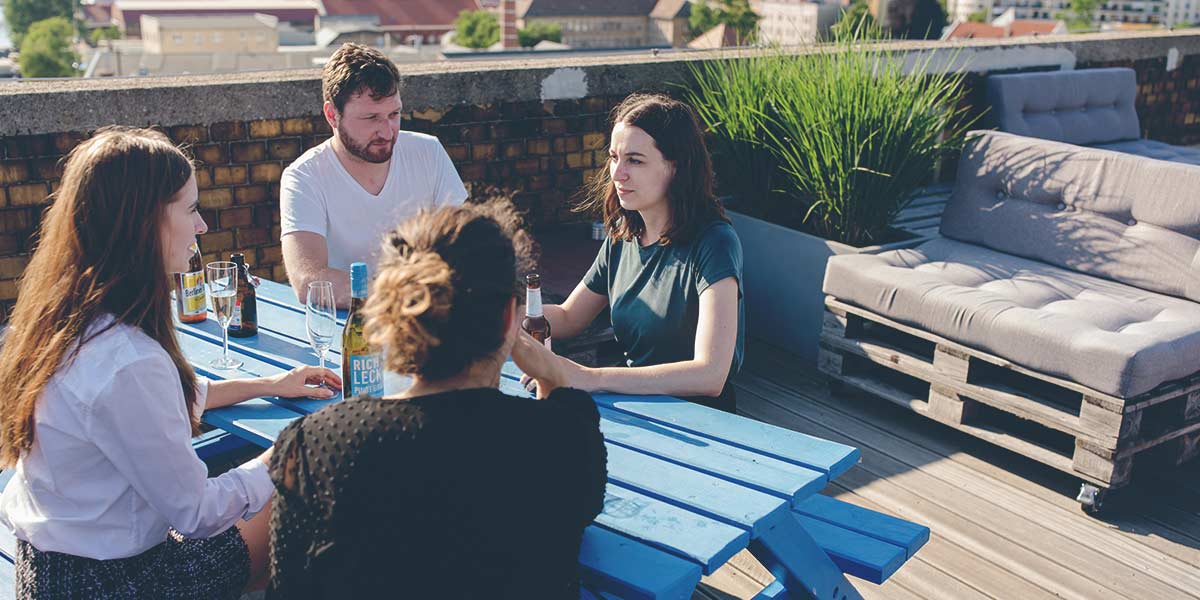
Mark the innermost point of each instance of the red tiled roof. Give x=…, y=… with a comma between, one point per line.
x=403, y=12
x=1032, y=27
x=967, y=29
x=1019, y=27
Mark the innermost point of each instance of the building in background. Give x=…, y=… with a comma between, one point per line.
x=210, y=34
x=612, y=23
x=127, y=14
x=1004, y=26
x=1182, y=12
x=1119, y=11
x=795, y=22
x=405, y=21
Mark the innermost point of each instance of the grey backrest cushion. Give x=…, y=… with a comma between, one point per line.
x=1123, y=217
x=1090, y=106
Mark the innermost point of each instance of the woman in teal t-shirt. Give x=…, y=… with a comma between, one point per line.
x=670, y=271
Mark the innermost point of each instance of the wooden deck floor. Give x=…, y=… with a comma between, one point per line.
x=1003, y=526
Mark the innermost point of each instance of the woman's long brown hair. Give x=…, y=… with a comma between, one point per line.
x=99, y=252
x=676, y=132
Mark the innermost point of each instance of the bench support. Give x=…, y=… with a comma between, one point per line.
x=791, y=554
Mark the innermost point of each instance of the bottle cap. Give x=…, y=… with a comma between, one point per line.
x=238, y=257
x=533, y=280
x=358, y=280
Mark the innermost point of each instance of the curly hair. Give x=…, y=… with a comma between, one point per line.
x=445, y=278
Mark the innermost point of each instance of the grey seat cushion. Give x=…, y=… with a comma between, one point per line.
x=1113, y=215
x=1088, y=106
x=1158, y=150
x=1106, y=335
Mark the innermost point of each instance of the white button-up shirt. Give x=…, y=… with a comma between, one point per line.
x=112, y=466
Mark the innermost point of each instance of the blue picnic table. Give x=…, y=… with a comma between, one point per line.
x=688, y=486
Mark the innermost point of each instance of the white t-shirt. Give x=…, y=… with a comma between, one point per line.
x=317, y=194
x=112, y=464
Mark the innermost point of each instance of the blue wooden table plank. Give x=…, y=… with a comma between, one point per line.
x=804, y=450
x=886, y=528
x=677, y=530
x=753, y=470
x=706, y=495
x=854, y=553
x=645, y=572
x=256, y=421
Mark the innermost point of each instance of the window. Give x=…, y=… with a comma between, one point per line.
x=198, y=39
x=260, y=37
x=177, y=39
x=218, y=37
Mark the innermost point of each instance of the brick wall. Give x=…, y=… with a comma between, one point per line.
x=540, y=151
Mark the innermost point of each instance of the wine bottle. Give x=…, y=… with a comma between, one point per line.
x=362, y=365
x=189, y=290
x=535, y=323
x=245, y=312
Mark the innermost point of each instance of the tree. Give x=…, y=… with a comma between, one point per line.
x=104, y=33
x=537, y=32
x=46, y=49
x=1081, y=16
x=737, y=14
x=856, y=20
x=916, y=19
x=476, y=29
x=22, y=14
x=979, y=16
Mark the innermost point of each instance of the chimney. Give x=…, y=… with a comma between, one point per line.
x=508, y=25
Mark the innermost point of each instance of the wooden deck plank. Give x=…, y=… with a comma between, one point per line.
x=1151, y=561
x=1052, y=562
x=1166, y=519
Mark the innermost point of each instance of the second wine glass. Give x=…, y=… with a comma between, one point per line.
x=320, y=316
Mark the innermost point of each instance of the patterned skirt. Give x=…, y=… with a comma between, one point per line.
x=216, y=567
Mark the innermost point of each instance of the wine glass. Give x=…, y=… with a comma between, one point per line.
x=222, y=294
x=320, y=317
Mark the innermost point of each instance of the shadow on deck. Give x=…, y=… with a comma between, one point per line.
x=1004, y=526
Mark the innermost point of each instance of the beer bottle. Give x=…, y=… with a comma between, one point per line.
x=362, y=365
x=245, y=311
x=535, y=322
x=189, y=290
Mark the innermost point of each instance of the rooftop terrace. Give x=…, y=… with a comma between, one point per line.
x=1003, y=525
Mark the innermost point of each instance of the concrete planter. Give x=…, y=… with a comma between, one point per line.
x=783, y=270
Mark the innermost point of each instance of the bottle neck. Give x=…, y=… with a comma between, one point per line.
x=533, y=302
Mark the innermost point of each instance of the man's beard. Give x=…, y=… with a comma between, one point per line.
x=363, y=151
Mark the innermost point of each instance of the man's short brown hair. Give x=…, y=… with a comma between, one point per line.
x=355, y=68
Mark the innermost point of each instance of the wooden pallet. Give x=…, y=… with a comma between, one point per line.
x=1061, y=423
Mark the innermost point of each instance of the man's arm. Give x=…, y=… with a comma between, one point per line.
x=306, y=258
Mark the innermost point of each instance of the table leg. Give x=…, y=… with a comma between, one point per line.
x=791, y=554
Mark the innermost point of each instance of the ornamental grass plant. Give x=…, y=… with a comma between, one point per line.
x=843, y=136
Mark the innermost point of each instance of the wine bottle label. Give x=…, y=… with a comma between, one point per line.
x=366, y=375
x=193, y=293
x=236, y=321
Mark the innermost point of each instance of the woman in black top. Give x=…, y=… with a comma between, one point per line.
x=670, y=271
x=451, y=489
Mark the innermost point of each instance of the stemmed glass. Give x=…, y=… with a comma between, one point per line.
x=222, y=294
x=320, y=316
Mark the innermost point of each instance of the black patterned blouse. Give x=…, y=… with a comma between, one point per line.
x=465, y=494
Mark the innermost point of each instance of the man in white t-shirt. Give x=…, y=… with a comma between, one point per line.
x=339, y=199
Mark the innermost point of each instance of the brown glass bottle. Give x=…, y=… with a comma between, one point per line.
x=535, y=323
x=245, y=313
x=189, y=290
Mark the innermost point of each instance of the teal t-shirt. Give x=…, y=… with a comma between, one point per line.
x=654, y=293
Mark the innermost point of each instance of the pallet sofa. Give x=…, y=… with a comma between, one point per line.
x=1058, y=317
x=1089, y=107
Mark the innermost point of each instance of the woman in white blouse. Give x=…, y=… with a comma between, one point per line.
x=109, y=500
